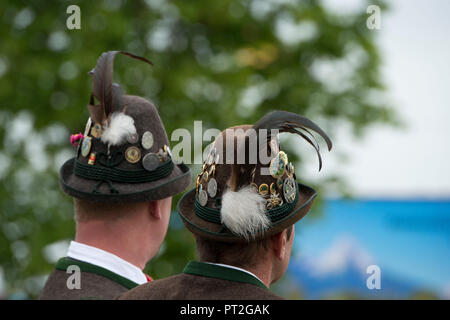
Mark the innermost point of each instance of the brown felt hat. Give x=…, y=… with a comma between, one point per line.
x=124, y=154
x=242, y=195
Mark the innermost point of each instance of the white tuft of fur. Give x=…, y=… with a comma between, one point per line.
x=118, y=130
x=243, y=212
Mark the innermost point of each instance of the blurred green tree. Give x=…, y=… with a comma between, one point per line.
x=223, y=62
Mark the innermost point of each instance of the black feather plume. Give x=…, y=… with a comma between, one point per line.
x=285, y=121
x=109, y=94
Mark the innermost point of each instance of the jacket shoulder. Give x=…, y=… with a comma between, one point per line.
x=92, y=286
x=192, y=287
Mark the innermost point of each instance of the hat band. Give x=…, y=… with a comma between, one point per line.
x=119, y=175
x=274, y=215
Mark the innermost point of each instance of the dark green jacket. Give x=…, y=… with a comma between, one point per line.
x=203, y=281
x=95, y=282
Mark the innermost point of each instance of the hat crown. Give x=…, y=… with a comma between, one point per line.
x=147, y=123
x=127, y=125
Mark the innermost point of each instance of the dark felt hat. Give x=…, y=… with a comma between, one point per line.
x=249, y=198
x=124, y=155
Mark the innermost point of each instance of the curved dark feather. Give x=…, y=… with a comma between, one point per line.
x=102, y=76
x=283, y=120
x=95, y=111
x=108, y=94
x=136, y=57
x=117, y=93
x=290, y=122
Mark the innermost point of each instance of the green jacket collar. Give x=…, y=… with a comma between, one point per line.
x=221, y=272
x=65, y=262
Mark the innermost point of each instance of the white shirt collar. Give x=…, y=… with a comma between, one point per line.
x=236, y=268
x=107, y=260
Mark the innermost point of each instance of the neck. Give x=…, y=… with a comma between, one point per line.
x=126, y=242
x=263, y=272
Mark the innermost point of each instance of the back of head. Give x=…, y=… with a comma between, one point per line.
x=88, y=211
x=247, y=255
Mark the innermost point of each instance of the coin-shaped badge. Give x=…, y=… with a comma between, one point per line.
x=150, y=161
x=147, y=140
x=212, y=187
x=289, y=189
x=133, y=154
x=96, y=130
x=202, y=197
x=86, y=146
x=132, y=138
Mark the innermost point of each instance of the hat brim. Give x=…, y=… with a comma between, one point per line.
x=82, y=188
x=217, y=232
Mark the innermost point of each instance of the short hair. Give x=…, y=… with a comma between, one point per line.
x=88, y=210
x=241, y=254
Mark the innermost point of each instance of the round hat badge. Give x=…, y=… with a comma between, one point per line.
x=150, y=161
x=133, y=154
x=202, y=196
x=212, y=187
x=147, y=140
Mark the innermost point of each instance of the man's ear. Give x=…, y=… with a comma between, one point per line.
x=154, y=209
x=279, y=244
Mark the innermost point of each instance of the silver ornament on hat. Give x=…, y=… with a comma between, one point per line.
x=202, y=196
x=274, y=201
x=150, y=161
x=86, y=146
x=289, y=189
x=147, y=140
x=168, y=150
x=88, y=127
x=212, y=187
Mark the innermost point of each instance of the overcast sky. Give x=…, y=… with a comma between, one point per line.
x=413, y=162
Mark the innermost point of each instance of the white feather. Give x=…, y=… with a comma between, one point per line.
x=119, y=128
x=243, y=212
